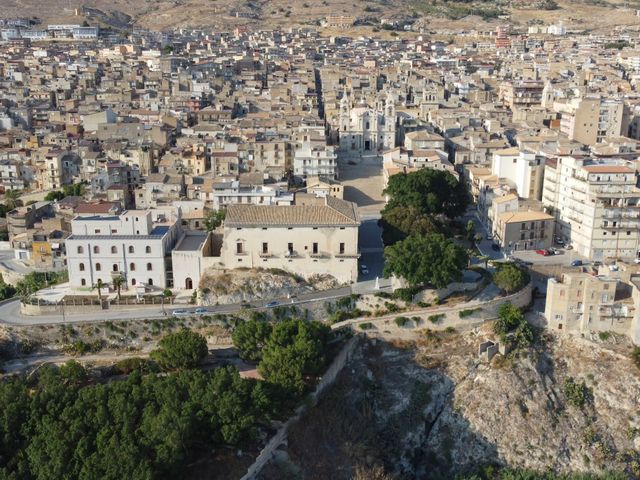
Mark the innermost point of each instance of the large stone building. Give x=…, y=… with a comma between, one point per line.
x=596, y=205
x=135, y=245
x=364, y=129
x=315, y=236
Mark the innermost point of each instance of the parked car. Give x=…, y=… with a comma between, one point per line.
x=554, y=251
x=596, y=264
x=576, y=263
x=636, y=260
x=544, y=253
x=569, y=247
x=559, y=241
x=495, y=247
x=489, y=236
x=273, y=303
x=613, y=268
x=180, y=313
x=364, y=270
x=201, y=311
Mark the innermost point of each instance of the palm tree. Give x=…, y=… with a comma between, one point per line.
x=100, y=285
x=11, y=198
x=117, y=284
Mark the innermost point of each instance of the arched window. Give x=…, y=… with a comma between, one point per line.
x=114, y=267
x=148, y=249
x=81, y=267
x=98, y=267
x=83, y=282
x=133, y=281
x=132, y=267
x=131, y=249
x=96, y=249
x=149, y=267
x=150, y=282
x=80, y=250
x=114, y=249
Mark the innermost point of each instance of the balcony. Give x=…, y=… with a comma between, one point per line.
x=265, y=254
x=348, y=255
x=318, y=254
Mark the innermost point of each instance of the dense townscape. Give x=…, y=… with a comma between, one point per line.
x=212, y=223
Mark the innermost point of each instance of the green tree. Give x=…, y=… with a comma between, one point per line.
x=99, y=285
x=510, y=278
x=470, y=230
x=430, y=259
x=74, y=190
x=6, y=291
x=54, y=196
x=180, y=350
x=72, y=373
x=250, y=337
x=214, y=219
x=399, y=222
x=295, y=350
x=429, y=191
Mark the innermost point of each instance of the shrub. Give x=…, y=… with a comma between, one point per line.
x=577, y=393
x=437, y=318
x=401, y=321
x=406, y=294
x=604, y=336
x=128, y=365
x=468, y=312
x=424, y=304
x=510, y=278
x=635, y=356
x=366, y=326
x=391, y=307
x=450, y=330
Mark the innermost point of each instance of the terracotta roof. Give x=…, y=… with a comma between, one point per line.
x=608, y=169
x=513, y=217
x=329, y=211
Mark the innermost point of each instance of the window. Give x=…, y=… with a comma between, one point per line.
x=133, y=281
x=239, y=248
x=148, y=249
x=114, y=249
x=80, y=250
x=96, y=249
x=149, y=267
x=150, y=282
x=96, y=231
x=132, y=267
x=83, y=282
x=131, y=249
x=114, y=267
x=98, y=267
x=290, y=248
x=315, y=247
x=341, y=248
x=265, y=247
x=81, y=267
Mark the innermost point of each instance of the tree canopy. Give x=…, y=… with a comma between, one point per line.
x=399, y=222
x=214, y=219
x=144, y=427
x=182, y=349
x=421, y=260
x=295, y=350
x=250, y=338
x=510, y=278
x=429, y=191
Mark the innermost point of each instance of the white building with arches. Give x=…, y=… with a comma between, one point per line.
x=135, y=245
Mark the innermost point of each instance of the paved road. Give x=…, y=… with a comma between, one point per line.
x=9, y=263
x=10, y=311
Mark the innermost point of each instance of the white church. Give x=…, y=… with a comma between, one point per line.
x=364, y=129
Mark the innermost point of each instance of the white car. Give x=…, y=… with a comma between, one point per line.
x=180, y=313
x=364, y=270
x=636, y=260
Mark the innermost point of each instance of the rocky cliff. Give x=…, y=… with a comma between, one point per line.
x=432, y=409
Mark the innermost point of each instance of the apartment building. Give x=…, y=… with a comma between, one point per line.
x=315, y=236
x=313, y=156
x=591, y=120
x=524, y=169
x=135, y=245
x=596, y=204
x=585, y=302
x=523, y=230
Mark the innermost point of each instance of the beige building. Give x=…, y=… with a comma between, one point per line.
x=584, y=302
x=591, y=120
x=316, y=236
x=596, y=205
x=523, y=230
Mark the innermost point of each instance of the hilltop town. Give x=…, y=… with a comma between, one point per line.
x=248, y=208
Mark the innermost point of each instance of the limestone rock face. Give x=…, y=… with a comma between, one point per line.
x=236, y=286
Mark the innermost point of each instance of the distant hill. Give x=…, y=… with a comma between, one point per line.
x=227, y=14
